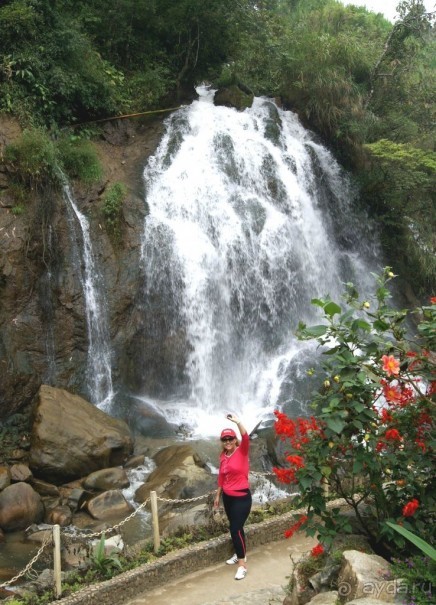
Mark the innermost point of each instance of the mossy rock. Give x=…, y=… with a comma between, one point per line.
x=233, y=96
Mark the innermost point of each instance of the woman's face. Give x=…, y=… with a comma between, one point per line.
x=228, y=444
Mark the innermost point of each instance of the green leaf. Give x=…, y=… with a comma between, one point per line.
x=361, y=324
x=335, y=424
x=380, y=325
x=305, y=482
x=318, y=302
x=316, y=331
x=416, y=540
x=326, y=471
x=331, y=309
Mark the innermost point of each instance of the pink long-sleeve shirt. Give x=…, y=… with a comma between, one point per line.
x=233, y=472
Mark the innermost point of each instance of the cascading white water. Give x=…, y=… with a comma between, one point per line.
x=99, y=373
x=249, y=219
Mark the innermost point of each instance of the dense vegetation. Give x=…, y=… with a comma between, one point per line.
x=364, y=85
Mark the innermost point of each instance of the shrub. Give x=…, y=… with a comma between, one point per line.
x=112, y=205
x=33, y=159
x=372, y=441
x=80, y=160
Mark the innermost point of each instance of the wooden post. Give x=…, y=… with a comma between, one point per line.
x=57, y=560
x=155, y=521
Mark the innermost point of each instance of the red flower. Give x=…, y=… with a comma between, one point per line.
x=392, y=394
x=393, y=435
x=291, y=531
x=296, y=461
x=317, y=550
x=431, y=388
x=409, y=509
x=386, y=416
x=391, y=365
x=421, y=444
x=285, y=475
x=433, y=300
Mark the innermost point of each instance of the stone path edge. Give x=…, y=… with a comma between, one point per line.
x=129, y=584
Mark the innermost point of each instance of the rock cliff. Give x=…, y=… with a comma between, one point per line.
x=43, y=332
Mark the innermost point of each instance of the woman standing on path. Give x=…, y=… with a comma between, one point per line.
x=234, y=487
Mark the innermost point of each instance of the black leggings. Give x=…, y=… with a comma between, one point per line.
x=237, y=510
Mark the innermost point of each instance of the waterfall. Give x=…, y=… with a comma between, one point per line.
x=99, y=374
x=249, y=218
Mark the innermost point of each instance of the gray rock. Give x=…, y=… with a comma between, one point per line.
x=364, y=575
x=105, y=479
x=108, y=505
x=70, y=437
x=20, y=506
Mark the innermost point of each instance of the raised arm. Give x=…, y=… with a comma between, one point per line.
x=238, y=423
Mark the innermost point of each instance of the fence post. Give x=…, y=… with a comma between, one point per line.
x=155, y=521
x=57, y=560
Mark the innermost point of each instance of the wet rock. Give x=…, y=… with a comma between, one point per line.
x=70, y=437
x=180, y=473
x=43, y=488
x=60, y=515
x=234, y=96
x=106, y=479
x=108, y=505
x=20, y=472
x=5, y=477
x=20, y=506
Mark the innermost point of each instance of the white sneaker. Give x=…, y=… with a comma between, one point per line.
x=233, y=560
x=241, y=573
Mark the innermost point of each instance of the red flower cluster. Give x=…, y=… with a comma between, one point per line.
x=291, y=531
x=298, y=431
x=410, y=508
x=285, y=475
x=392, y=435
x=296, y=461
x=317, y=550
x=397, y=394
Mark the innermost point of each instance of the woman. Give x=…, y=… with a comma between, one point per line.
x=234, y=488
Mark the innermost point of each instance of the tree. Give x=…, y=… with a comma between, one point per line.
x=372, y=441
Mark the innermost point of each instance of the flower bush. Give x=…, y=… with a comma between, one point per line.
x=371, y=439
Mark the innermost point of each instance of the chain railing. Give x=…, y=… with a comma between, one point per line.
x=53, y=536
x=47, y=540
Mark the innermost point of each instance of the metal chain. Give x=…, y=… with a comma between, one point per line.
x=109, y=529
x=31, y=562
x=186, y=500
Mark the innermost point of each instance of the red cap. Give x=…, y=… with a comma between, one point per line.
x=228, y=433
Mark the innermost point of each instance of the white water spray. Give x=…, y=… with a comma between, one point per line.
x=99, y=374
x=249, y=219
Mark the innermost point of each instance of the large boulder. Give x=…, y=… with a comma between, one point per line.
x=180, y=473
x=20, y=506
x=71, y=438
x=106, y=479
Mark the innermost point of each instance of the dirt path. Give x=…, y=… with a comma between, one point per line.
x=269, y=568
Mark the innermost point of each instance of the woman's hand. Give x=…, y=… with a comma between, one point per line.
x=236, y=420
x=216, y=501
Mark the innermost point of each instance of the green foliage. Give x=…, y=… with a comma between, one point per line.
x=33, y=159
x=80, y=160
x=112, y=207
x=426, y=548
x=104, y=564
x=373, y=439
x=416, y=576
x=402, y=183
